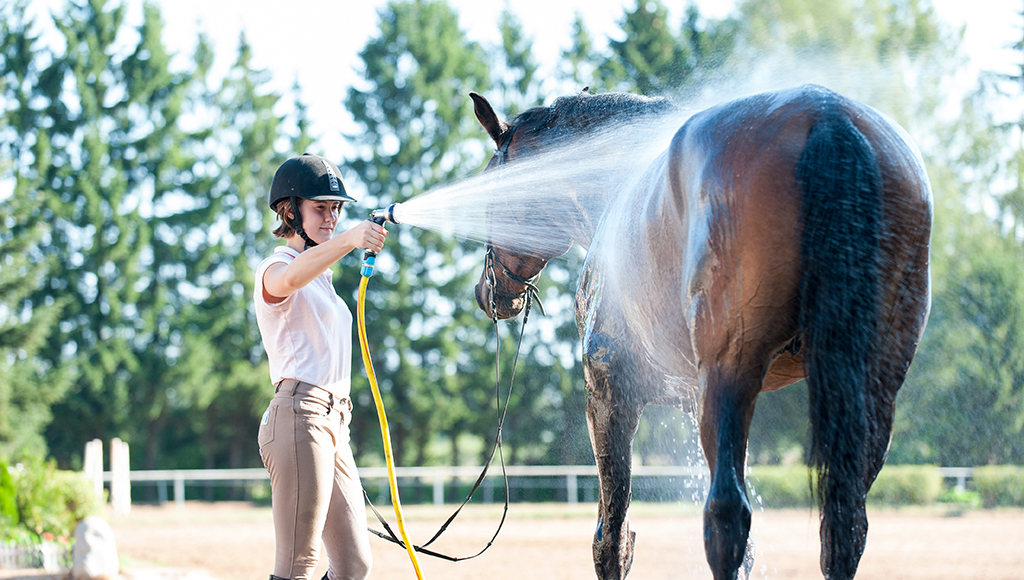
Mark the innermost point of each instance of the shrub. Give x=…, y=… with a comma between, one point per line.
x=1000, y=485
x=8, y=502
x=906, y=485
x=961, y=497
x=775, y=486
x=53, y=501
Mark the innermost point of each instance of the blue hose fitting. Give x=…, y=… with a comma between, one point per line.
x=369, y=258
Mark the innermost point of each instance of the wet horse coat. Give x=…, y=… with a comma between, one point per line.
x=780, y=236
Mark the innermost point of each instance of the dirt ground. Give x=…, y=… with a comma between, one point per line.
x=230, y=541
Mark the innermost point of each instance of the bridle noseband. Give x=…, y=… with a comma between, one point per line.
x=529, y=283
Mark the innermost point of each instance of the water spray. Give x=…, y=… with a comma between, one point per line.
x=380, y=216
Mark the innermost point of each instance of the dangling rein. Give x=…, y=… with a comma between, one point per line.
x=367, y=271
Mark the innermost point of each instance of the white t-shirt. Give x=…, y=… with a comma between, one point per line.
x=308, y=335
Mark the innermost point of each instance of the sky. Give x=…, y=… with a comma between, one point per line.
x=317, y=41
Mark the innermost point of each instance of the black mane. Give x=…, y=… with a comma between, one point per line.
x=582, y=112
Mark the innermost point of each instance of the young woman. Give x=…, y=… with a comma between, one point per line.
x=307, y=332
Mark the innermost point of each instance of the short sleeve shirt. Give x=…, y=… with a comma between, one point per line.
x=308, y=335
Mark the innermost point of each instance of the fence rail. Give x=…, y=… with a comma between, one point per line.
x=441, y=477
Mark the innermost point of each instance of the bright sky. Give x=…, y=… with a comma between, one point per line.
x=318, y=41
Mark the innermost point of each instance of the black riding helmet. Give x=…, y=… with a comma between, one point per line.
x=310, y=177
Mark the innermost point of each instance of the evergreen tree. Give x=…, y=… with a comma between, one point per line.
x=117, y=160
x=28, y=385
x=516, y=68
x=964, y=401
x=235, y=388
x=418, y=131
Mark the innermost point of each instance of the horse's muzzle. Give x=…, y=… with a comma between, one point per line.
x=505, y=305
x=483, y=298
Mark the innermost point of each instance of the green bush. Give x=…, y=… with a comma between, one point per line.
x=1000, y=485
x=898, y=485
x=961, y=497
x=8, y=501
x=53, y=501
x=774, y=486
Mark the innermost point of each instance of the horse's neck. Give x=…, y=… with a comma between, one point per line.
x=585, y=211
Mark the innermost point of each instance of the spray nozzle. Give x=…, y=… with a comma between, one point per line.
x=379, y=216
x=386, y=214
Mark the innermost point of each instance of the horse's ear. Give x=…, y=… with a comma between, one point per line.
x=485, y=114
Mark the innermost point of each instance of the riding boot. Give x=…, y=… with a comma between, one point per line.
x=272, y=577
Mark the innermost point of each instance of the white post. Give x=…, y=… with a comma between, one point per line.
x=179, y=490
x=120, y=480
x=438, y=490
x=571, y=489
x=93, y=465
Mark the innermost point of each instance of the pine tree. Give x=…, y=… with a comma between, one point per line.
x=28, y=384
x=418, y=131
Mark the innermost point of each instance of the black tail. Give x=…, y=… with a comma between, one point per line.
x=841, y=186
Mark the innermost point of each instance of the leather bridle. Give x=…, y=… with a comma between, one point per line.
x=491, y=258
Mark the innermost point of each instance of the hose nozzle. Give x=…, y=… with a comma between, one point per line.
x=379, y=216
x=386, y=214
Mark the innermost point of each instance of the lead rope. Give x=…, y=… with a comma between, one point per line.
x=497, y=449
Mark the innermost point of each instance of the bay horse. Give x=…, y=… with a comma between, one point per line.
x=780, y=236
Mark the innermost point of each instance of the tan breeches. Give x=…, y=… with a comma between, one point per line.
x=315, y=489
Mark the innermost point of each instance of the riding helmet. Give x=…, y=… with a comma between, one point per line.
x=308, y=177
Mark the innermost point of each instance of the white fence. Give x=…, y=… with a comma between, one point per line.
x=442, y=478
x=48, y=555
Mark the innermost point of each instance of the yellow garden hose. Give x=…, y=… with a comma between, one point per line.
x=383, y=419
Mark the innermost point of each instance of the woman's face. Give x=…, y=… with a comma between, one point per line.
x=319, y=218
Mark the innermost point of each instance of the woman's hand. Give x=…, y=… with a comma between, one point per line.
x=280, y=281
x=367, y=235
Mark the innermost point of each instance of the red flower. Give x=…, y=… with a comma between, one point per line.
x=48, y=536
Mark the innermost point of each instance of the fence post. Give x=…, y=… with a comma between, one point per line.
x=571, y=489
x=93, y=465
x=179, y=490
x=120, y=478
x=438, y=490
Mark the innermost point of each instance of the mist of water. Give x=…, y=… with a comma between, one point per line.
x=528, y=196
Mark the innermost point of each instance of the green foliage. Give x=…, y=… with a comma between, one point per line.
x=961, y=497
x=28, y=385
x=964, y=401
x=777, y=486
x=8, y=500
x=999, y=485
x=781, y=426
x=899, y=485
x=656, y=57
x=418, y=130
x=130, y=240
x=51, y=500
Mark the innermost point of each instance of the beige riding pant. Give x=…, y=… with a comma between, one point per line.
x=315, y=489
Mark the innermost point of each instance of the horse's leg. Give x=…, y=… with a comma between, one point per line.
x=613, y=412
x=727, y=408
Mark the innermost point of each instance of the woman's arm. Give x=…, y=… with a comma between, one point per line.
x=282, y=280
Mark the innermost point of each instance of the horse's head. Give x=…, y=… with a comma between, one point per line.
x=510, y=274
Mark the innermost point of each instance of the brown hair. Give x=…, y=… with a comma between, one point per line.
x=285, y=230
